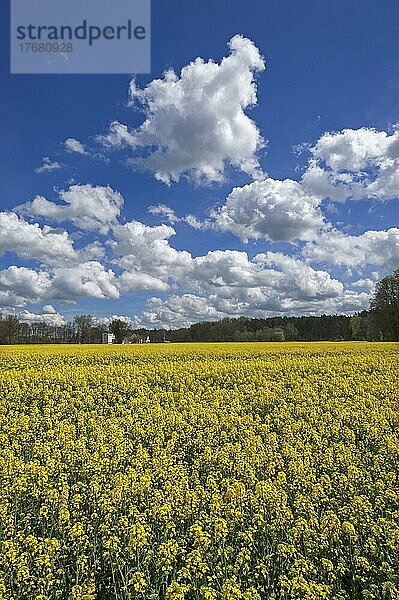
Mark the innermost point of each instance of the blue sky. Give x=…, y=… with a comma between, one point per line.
x=330, y=68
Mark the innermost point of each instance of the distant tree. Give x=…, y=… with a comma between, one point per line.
x=385, y=306
x=3, y=339
x=24, y=333
x=290, y=332
x=157, y=336
x=120, y=329
x=242, y=335
x=277, y=335
x=96, y=333
x=83, y=325
x=357, y=328
x=11, y=329
x=372, y=332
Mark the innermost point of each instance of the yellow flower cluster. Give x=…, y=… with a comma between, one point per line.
x=199, y=472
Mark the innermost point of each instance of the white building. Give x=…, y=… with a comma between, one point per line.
x=131, y=339
x=107, y=337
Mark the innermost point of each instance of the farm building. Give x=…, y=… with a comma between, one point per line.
x=131, y=339
x=107, y=337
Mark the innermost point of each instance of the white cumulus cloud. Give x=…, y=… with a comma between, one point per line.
x=354, y=149
x=186, y=309
x=48, y=165
x=355, y=163
x=51, y=317
x=90, y=279
x=87, y=207
x=21, y=284
x=272, y=209
x=73, y=145
x=370, y=248
x=31, y=241
x=142, y=249
x=196, y=123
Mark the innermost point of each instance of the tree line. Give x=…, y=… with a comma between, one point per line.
x=379, y=323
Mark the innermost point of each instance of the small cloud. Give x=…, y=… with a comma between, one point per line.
x=170, y=215
x=73, y=145
x=48, y=309
x=299, y=149
x=393, y=127
x=366, y=284
x=194, y=222
x=164, y=211
x=331, y=208
x=48, y=165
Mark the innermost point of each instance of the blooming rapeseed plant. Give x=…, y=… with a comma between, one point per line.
x=199, y=471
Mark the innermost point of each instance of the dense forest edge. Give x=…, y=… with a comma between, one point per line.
x=379, y=323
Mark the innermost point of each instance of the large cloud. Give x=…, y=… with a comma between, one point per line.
x=137, y=280
x=272, y=209
x=233, y=270
x=150, y=261
x=269, y=279
x=21, y=285
x=356, y=149
x=370, y=248
x=195, y=124
x=86, y=206
x=355, y=163
x=178, y=311
x=29, y=241
x=87, y=279
x=349, y=164
x=144, y=250
x=48, y=315
x=219, y=283
x=227, y=283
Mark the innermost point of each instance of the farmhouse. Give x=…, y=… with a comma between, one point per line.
x=107, y=337
x=131, y=339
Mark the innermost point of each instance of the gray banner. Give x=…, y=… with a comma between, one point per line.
x=71, y=36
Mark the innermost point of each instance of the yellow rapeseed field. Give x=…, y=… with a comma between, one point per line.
x=199, y=471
